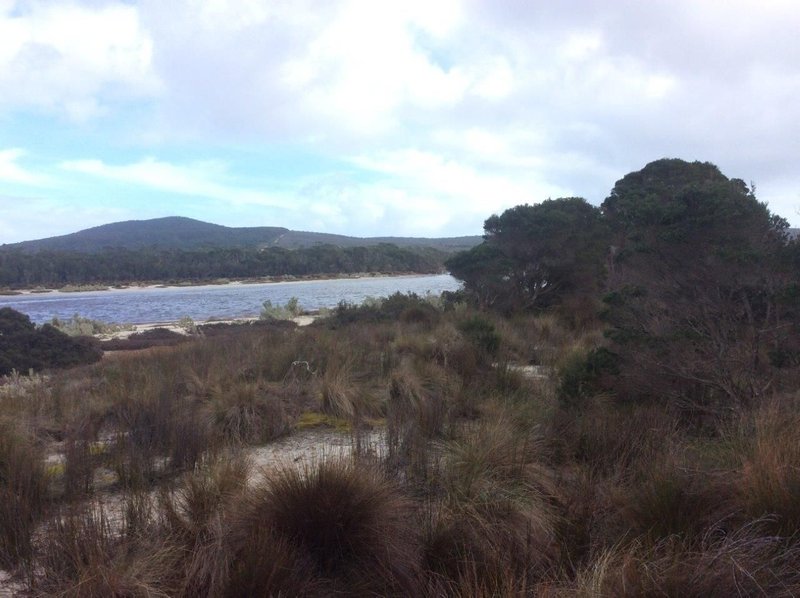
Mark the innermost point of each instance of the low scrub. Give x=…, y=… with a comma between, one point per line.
x=25, y=347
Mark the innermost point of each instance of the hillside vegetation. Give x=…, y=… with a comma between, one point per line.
x=609, y=409
x=181, y=249
x=187, y=234
x=121, y=266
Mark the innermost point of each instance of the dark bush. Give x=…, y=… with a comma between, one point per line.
x=482, y=333
x=580, y=377
x=410, y=308
x=156, y=337
x=25, y=347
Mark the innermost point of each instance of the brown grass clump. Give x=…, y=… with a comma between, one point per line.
x=669, y=498
x=494, y=533
x=746, y=562
x=195, y=515
x=338, y=393
x=23, y=493
x=247, y=413
x=203, y=494
x=338, y=526
x=157, y=435
x=86, y=556
x=610, y=439
x=770, y=476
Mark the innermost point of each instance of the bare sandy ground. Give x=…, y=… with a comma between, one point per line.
x=127, y=331
x=304, y=448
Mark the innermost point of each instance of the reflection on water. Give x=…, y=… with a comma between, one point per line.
x=149, y=305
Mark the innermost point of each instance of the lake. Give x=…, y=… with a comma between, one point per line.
x=235, y=300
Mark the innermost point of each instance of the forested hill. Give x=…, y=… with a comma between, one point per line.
x=186, y=234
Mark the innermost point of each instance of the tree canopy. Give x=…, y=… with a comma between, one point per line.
x=700, y=282
x=534, y=256
x=57, y=268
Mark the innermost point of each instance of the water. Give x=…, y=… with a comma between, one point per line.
x=152, y=305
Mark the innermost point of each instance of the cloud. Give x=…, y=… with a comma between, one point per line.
x=23, y=218
x=436, y=114
x=12, y=172
x=73, y=60
x=198, y=179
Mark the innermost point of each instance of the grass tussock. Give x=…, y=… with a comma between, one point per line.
x=85, y=556
x=770, y=475
x=746, y=562
x=338, y=525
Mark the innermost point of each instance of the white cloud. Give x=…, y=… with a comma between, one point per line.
x=12, y=172
x=73, y=59
x=197, y=179
x=23, y=218
x=453, y=109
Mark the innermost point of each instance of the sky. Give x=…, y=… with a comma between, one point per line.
x=373, y=118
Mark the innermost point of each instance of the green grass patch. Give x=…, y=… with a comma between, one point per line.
x=315, y=419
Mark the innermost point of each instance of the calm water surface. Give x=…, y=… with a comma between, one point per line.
x=150, y=305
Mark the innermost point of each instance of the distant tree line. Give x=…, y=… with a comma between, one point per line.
x=58, y=268
x=696, y=282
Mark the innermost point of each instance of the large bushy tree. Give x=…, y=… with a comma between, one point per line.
x=534, y=256
x=695, y=285
x=700, y=281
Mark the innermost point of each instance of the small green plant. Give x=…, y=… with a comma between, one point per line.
x=80, y=326
x=291, y=310
x=187, y=324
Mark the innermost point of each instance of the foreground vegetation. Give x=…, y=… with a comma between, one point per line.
x=620, y=420
x=488, y=480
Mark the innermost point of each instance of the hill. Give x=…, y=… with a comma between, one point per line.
x=187, y=234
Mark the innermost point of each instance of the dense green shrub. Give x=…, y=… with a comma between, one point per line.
x=581, y=375
x=25, y=347
x=405, y=307
x=482, y=333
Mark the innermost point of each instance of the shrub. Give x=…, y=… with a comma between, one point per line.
x=25, y=347
x=408, y=308
x=482, y=333
x=80, y=326
x=291, y=310
x=581, y=376
x=155, y=337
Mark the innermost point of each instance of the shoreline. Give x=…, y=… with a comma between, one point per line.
x=126, y=330
x=145, y=285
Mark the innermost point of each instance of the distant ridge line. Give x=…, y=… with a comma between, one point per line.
x=182, y=233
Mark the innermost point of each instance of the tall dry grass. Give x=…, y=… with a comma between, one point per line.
x=488, y=486
x=23, y=494
x=769, y=484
